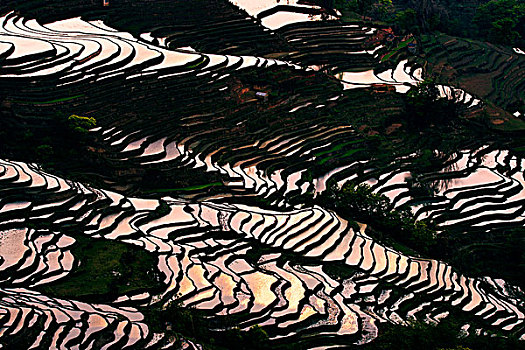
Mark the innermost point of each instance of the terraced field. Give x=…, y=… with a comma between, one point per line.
x=492, y=72
x=206, y=259
x=218, y=128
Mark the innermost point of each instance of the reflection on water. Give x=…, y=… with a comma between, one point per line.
x=253, y=7
x=280, y=18
x=398, y=77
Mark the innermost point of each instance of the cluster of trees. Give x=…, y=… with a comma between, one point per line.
x=445, y=335
x=425, y=106
x=81, y=124
x=376, y=8
x=499, y=253
x=48, y=140
x=497, y=21
x=359, y=202
x=502, y=21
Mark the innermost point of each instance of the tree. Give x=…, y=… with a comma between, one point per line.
x=425, y=106
x=502, y=31
x=81, y=124
x=425, y=10
x=366, y=7
x=359, y=202
x=501, y=21
x=407, y=20
x=45, y=152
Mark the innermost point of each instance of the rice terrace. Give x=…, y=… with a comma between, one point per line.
x=262, y=174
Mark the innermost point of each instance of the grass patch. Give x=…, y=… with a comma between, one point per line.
x=346, y=154
x=352, y=151
x=64, y=99
x=107, y=268
x=394, y=51
x=337, y=148
x=195, y=65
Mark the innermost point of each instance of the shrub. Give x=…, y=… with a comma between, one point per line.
x=425, y=106
x=361, y=203
x=44, y=151
x=81, y=124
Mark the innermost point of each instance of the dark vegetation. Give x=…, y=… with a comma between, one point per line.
x=380, y=9
x=361, y=204
x=498, y=21
x=425, y=107
x=494, y=253
x=445, y=335
x=502, y=22
x=104, y=270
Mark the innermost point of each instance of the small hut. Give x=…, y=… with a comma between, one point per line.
x=412, y=48
x=262, y=96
